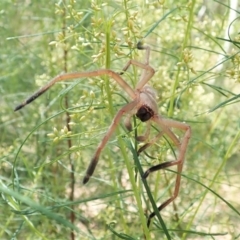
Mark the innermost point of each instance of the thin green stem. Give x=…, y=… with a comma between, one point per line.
x=123, y=147
x=144, y=181
x=185, y=42
x=111, y=110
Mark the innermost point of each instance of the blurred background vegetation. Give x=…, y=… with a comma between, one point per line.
x=46, y=147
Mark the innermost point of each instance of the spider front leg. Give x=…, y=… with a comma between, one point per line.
x=91, y=167
x=151, y=142
x=147, y=72
x=165, y=125
x=69, y=76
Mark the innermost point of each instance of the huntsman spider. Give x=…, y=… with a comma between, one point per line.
x=143, y=104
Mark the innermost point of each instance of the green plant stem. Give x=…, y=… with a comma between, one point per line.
x=185, y=41
x=111, y=108
x=123, y=147
x=154, y=206
x=11, y=197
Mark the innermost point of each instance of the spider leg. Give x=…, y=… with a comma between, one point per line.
x=111, y=129
x=142, y=138
x=68, y=76
x=145, y=146
x=127, y=121
x=128, y=125
x=140, y=47
x=146, y=74
x=148, y=71
x=165, y=125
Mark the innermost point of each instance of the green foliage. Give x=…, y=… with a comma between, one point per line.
x=195, y=52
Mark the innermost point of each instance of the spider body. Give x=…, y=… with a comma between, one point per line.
x=143, y=104
x=144, y=113
x=147, y=104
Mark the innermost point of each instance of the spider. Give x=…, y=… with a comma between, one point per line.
x=143, y=104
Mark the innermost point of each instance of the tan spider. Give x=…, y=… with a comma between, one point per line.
x=143, y=104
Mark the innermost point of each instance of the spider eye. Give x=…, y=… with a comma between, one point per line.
x=144, y=113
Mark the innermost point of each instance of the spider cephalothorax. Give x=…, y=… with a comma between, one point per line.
x=143, y=104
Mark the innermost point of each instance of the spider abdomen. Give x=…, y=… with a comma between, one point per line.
x=144, y=113
x=147, y=106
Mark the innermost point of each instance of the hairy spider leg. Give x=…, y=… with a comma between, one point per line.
x=147, y=72
x=105, y=139
x=151, y=142
x=69, y=76
x=144, y=137
x=165, y=125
